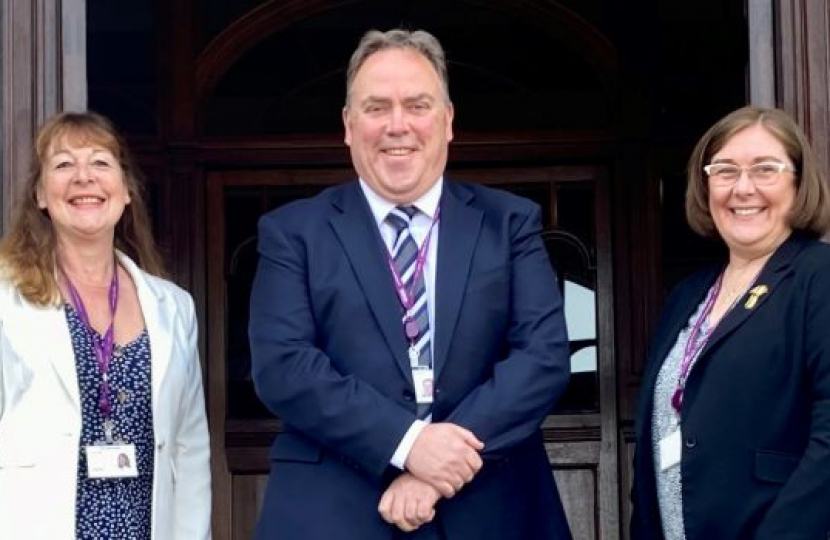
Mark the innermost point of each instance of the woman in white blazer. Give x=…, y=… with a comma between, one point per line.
x=102, y=419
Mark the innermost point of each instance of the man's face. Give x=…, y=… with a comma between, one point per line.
x=398, y=124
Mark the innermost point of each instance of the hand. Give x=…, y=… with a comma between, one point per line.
x=445, y=456
x=408, y=502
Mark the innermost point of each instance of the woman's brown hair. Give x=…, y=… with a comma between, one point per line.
x=810, y=212
x=27, y=251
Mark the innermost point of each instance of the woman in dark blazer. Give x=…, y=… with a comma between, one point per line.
x=733, y=423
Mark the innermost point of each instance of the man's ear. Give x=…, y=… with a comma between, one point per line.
x=449, y=118
x=348, y=137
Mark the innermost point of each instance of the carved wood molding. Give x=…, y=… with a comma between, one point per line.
x=273, y=16
x=246, y=32
x=803, y=73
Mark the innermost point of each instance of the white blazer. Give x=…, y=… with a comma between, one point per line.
x=40, y=416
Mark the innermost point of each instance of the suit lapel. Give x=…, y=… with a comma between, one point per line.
x=353, y=224
x=771, y=275
x=457, y=238
x=40, y=334
x=50, y=323
x=691, y=297
x=687, y=301
x=45, y=333
x=159, y=318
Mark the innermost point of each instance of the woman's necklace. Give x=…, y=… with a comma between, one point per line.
x=735, y=284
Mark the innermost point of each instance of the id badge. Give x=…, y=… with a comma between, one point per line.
x=670, y=449
x=422, y=378
x=111, y=461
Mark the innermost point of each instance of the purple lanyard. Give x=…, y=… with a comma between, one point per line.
x=103, y=347
x=406, y=297
x=693, y=349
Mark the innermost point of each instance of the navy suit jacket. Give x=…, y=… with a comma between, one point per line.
x=330, y=359
x=756, y=414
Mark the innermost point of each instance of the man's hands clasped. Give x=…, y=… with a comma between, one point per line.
x=444, y=458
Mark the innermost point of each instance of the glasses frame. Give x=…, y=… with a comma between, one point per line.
x=779, y=165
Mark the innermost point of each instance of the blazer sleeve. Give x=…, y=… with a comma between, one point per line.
x=2, y=384
x=3, y=294
x=535, y=368
x=294, y=378
x=191, y=454
x=800, y=510
x=2, y=363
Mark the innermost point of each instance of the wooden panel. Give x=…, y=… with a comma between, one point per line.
x=637, y=268
x=626, y=476
x=576, y=468
x=577, y=483
x=42, y=70
x=175, y=66
x=761, y=53
x=215, y=384
x=248, y=493
x=578, y=488
x=803, y=50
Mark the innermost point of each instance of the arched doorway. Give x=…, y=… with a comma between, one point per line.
x=589, y=107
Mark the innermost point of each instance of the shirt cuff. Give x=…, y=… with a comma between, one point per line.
x=404, y=447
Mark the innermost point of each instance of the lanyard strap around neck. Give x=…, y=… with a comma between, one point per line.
x=693, y=347
x=103, y=346
x=406, y=297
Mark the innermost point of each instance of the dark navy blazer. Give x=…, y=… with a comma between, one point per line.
x=756, y=414
x=329, y=358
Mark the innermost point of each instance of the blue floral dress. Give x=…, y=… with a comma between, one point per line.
x=119, y=508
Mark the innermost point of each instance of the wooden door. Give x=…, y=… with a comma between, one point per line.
x=580, y=433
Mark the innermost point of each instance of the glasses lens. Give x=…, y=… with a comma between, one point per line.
x=724, y=173
x=765, y=172
x=761, y=173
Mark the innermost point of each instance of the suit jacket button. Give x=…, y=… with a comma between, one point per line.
x=691, y=442
x=408, y=394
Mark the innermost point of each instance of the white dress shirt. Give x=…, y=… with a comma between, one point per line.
x=419, y=227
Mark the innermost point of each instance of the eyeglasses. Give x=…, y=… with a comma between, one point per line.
x=765, y=173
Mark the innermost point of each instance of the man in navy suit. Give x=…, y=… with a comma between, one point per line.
x=408, y=331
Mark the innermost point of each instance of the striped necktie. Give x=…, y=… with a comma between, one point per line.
x=405, y=258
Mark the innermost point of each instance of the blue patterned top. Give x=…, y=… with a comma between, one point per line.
x=664, y=422
x=117, y=508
